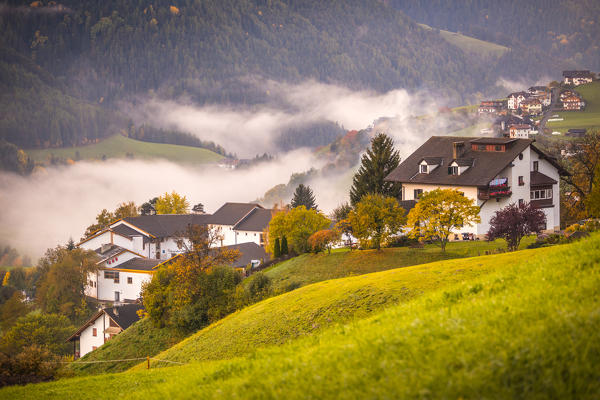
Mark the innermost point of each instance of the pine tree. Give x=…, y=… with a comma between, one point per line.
x=276, y=249
x=70, y=244
x=284, y=246
x=303, y=196
x=380, y=159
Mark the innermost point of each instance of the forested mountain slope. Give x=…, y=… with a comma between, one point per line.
x=78, y=58
x=99, y=54
x=567, y=30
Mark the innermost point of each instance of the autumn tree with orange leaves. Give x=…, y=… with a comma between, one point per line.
x=198, y=287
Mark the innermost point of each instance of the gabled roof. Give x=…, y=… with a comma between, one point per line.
x=165, y=225
x=124, y=317
x=109, y=252
x=231, y=213
x=577, y=74
x=139, y=264
x=486, y=165
x=464, y=162
x=248, y=252
x=551, y=160
x=432, y=160
x=257, y=220
x=125, y=230
x=536, y=178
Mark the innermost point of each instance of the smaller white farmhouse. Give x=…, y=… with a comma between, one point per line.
x=103, y=326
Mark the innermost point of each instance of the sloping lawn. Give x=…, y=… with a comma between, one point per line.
x=531, y=329
x=119, y=146
x=310, y=268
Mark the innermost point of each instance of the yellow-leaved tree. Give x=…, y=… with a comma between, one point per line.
x=296, y=226
x=172, y=203
x=438, y=213
x=375, y=219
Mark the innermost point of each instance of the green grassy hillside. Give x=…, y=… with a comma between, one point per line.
x=312, y=308
x=311, y=268
x=531, y=329
x=471, y=45
x=586, y=119
x=140, y=340
x=119, y=146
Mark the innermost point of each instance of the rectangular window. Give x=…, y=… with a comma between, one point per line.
x=521, y=181
x=129, y=280
x=481, y=147
x=521, y=202
x=423, y=169
x=112, y=275
x=541, y=194
x=535, y=165
x=94, y=332
x=498, y=148
x=418, y=193
x=452, y=170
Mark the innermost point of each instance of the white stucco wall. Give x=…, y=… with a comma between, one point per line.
x=552, y=213
x=247, y=237
x=87, y=341
x=127, y=291
x=96, y=242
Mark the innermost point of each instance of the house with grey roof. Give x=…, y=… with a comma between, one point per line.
x=103, y=326
x=494, y=172
x=130, y=249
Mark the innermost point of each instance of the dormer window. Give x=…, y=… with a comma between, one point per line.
x=424, y=169
x=453, y=170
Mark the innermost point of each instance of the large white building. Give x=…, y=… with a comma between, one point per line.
x=131, y=249
x=494, y=172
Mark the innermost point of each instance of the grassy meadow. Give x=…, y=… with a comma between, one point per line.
x=471, y=45
x=311, y=268
x=526, y=326
x=118, y=146
x=142, y=339
x=586, y=119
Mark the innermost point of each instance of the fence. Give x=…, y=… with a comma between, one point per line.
x=148, y=358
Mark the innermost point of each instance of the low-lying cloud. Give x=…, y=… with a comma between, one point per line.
x=250, y=130
x=46, y=209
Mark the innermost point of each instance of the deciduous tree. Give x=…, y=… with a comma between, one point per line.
x=61, y=289
x=295, y=227
x=172, y=203
x=377, y=163
x=438, y=213
x=583, y=165
x=323, y=239
x=513, y=222
x=375, y=219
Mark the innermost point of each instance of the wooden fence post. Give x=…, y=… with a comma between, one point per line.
x=147, y=362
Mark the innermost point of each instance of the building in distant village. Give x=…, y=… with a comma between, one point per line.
x=577, y=78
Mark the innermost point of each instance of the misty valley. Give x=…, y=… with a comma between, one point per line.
x=300, y=199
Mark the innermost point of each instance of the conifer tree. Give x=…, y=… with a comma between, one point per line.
x=303, y=196
x=276, y=249
x=284, y=246
x=377, y=163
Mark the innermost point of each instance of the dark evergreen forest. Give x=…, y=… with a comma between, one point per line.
x=66, y=67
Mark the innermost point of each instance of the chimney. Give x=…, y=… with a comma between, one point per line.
x=105, y=247
x=457, y=149
x=116, y=311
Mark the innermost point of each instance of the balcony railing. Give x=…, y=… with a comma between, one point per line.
x=494, y=192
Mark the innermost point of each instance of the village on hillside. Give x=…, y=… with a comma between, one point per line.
x=140, y=262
